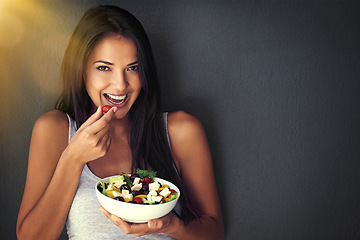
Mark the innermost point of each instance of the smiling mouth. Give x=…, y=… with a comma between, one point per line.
x=115, y=99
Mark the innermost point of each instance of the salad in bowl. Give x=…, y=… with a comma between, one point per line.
x=137, y=197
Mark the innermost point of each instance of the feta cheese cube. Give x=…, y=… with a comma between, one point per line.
x=152, y=193
x=156, y=198
x=136, y=181
x=165, y=192
x=125, y=192
x=136, y=187
x=110, y=187
x=118, y=183
x=116, y=194
x=129, y=196
x=154, y=186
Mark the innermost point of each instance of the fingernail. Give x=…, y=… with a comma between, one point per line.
x=152, y=224
x=114, y=109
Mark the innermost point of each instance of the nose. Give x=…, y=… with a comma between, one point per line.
x=119, y=80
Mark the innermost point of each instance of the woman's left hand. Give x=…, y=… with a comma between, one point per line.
x=159, y=225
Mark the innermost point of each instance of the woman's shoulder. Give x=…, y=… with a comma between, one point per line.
x=54, y=118
x=188, y=142
x=181, y=119
x=183, y=126
x=54, y=122
x=49, y=138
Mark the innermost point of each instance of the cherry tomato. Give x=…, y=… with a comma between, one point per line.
x=172, y=191
x=147, y=180
x=106, y=108
x=138, y=200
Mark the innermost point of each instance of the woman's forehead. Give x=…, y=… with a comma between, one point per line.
x=114, y=48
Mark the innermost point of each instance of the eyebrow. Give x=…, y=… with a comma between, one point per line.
x=132, y=63
x=109, y=63
x=105, y=62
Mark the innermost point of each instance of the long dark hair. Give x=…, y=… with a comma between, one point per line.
x=148, y=136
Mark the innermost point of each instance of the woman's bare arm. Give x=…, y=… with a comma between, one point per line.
x=192, y=155
x=54, y=170
x=45, y=206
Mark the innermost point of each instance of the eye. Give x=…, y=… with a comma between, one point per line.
x=133, y=68
x=103, y=68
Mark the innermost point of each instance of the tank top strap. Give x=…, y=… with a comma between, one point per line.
x=165, y=115
x=72, y=127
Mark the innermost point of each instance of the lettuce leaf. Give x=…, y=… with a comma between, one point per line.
x=147, y=201
x=145, y=173
x=103, y=187
x=173, y=196
x=127, y=179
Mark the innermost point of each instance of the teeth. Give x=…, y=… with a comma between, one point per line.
x=118, y=98
x=115, y=99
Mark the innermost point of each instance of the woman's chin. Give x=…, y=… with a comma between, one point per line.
x=120, y=115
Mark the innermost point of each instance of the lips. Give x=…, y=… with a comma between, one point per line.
x=115, y=99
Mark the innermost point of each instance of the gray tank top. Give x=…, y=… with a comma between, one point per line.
x=85, y=220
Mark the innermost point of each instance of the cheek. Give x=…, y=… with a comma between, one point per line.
x=93, y=82
x=137, y=84
x=94, y=87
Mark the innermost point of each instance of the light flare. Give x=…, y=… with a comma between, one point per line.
x=33, y=38
x=11, y=30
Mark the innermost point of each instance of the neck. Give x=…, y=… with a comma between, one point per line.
x=120, y=128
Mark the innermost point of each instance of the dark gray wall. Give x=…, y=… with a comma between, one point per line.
x=275, y=83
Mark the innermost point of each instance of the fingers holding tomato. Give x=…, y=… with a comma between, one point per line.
x=105, y=108
x=92, y=140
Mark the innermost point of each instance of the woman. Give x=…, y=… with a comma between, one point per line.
x=109, y=62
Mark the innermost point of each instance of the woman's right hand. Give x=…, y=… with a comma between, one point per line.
x=92, y=140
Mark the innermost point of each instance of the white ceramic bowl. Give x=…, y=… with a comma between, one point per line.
x=136, y=213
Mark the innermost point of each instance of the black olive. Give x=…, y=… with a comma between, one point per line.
x=145, y=189
x=125, y=187
x=99, y=187
x=119, y=199
x=134, y=193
